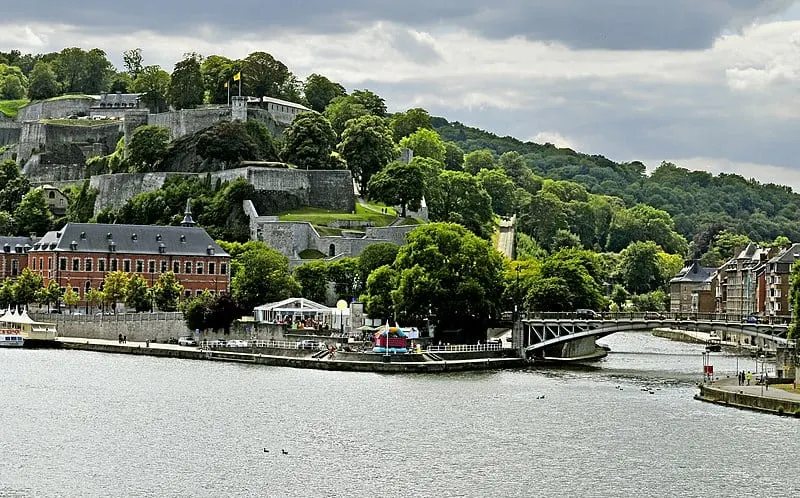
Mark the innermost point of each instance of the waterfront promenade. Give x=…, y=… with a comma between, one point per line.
x=312, y=359
x=758, y=397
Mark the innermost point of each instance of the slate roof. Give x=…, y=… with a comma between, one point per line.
x=273, y=100
x=694, y=273
x=130, y=239
x=787, y=255
x=118, y=100
x=8, y=244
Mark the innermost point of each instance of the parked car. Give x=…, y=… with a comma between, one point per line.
x=585, y=314
x=187, y=341
x=752, y=319
x=237, y=343
x=654, y=315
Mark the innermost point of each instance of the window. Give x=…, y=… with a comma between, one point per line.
x=62, y=264
x=163, y=267
x=126, y=265
x=139, y=266
x=101, y=265
x=199, y=268
x=212, y=268
x=14, y=268
x=176, y=267
x=151, y=266
x=52, y=195
x=113, y=265
x=777, y=306
x=198, y=293
x=34, y=263
x=778, y=279
x=187, y=294
x=223, y=268
x=41, y=263
x=332, y=250
x=76, y=264
x=87, y=265
x=187, y=268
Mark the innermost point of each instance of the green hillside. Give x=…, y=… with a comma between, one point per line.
x=701, y=204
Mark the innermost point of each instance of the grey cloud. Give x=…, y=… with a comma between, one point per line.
x=611, y=24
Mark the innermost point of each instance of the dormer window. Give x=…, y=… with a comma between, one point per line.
x=6, y=248
x=158, y=237
x=183, y=238
x=210, y=250
x=58, y=235
x=73, y=245
x=83, y=235
x=134, y=237
x=109, y=236
x=112, y=246
x=162, y=249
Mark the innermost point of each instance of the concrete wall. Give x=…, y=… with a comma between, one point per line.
x=742, y=400
x=38, y=173
x=55, y=109
x=137, y=326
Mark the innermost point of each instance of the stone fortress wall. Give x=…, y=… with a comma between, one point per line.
x=56, y=109
x=322, y=189
x=292, y=238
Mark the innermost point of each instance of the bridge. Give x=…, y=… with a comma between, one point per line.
x=566, y=336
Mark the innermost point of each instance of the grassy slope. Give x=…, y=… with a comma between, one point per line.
x=322, y=217
x=11, y=107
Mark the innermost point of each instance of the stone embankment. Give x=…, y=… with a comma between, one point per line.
x=727, y=392
x=299, y=358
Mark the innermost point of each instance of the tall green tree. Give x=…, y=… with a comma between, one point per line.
x=375, y=256
x=132, y=60
x=367, y=146
x=167, y=292
x=265, y=76
x=137, y=294
x=449, y=272
x=340, y=110
x=261, y=275
x=462, y=199
x=639, y=267
x=148, y=146
x=32, y=215
x=374, y=104
x=115, y=286
x=43, y=82
x=81, y=203
x=313, y=280
x=309, y=142
x=13, y=185
x=319, y=91
x=228, y=142
x=218, y=70
x=425, y=143
x=26, y=286
x=478, y=160
x=186, y=88
x=398, y=183
x=13, y=83
x=70, y=297
x=500, y=188
x=404, y=124
x=7, y=294
x=154, y=83
x=453, y=157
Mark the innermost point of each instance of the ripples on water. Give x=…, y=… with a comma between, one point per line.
x=88, y=424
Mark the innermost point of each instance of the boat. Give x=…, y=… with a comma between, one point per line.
x=25, y=330
x=11, y=338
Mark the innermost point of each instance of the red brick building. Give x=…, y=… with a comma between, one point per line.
x=80, y=255
x=14, y=255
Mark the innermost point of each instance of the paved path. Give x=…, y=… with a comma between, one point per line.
x=732, y=385
x=505, y=238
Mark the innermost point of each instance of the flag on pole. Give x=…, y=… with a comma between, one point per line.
x=237, y=76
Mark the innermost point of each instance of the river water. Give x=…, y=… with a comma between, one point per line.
x=91, y=424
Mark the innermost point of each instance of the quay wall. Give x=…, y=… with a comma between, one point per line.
x=735, y=399
x=305, y=362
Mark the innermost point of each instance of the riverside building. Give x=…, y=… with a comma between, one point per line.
x=80, y=255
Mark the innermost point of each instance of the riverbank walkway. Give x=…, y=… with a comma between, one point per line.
x=766, y=391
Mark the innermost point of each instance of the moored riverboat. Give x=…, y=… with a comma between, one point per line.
x=11, y=338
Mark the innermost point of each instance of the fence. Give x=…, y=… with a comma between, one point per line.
x=100, y=318
x=462, y=348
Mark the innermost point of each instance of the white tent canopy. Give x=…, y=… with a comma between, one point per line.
x=11, y=317
x=294, y=307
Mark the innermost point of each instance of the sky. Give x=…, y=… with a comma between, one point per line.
x=706, y=84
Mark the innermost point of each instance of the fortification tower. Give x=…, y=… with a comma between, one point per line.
x=133, y=120
x=238, y=108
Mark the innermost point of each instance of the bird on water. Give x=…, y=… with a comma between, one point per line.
x=284, y=452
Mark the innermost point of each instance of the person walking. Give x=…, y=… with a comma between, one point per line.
x=748, y=376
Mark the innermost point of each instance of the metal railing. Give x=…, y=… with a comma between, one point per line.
x=244, y=345
x=461, y=348
x=663, y=315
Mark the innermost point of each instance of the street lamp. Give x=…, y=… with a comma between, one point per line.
x=705, y=370
x=763, y=376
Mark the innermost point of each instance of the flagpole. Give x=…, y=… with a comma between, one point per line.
x=240, y=83
x=228, y=86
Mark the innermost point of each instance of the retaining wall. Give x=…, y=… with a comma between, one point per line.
x=742, y=400
x=9, y=132
x=55, y=109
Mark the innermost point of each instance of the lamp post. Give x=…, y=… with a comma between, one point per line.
x=763, y=376
x=704, y=367
x=516, y=295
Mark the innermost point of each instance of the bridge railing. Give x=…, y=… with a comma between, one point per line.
x=659, y=315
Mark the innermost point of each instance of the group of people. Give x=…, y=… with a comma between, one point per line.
x=745, y=378
x=123, y=339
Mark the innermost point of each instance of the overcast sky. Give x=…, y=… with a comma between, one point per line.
x=708, y=84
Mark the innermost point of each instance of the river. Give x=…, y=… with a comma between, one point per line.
x=91, y=424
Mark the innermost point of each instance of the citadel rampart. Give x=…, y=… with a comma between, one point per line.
x=41, y=137
x=56, y=109
x=322, y=189
x=9, y=132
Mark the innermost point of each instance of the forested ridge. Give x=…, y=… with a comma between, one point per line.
x=701, y=204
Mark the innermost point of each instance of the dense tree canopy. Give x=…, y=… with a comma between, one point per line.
x=309, y=142
x=367, y=146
